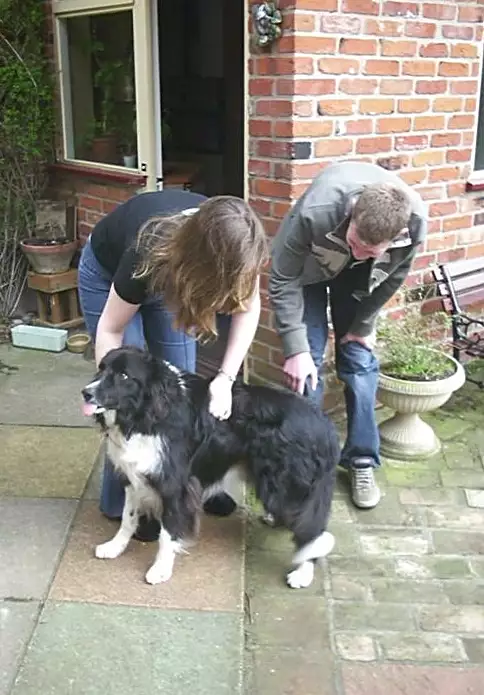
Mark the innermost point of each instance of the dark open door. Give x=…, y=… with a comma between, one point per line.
x=233, y=37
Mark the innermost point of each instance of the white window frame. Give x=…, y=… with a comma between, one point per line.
x=145, y=40
x=477, y=176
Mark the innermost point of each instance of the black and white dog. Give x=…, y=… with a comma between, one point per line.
x=171, y=453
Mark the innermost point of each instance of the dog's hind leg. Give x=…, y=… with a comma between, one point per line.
x=301, y=577
x=129, y=524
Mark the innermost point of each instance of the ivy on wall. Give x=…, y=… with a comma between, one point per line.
x=27, y=123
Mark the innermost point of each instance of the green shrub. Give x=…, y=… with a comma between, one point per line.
x=27, y=122
x=403, y=346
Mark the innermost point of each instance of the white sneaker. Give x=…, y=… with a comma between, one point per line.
x=365, y=493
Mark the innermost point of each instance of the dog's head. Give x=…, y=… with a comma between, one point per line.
x=130, y=386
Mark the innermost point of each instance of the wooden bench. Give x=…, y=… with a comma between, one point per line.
x=460, y=284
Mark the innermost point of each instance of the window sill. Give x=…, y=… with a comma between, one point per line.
x=132, y=178
x=475, y=182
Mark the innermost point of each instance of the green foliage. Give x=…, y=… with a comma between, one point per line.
x=27, y=122
x=403, y=345
x=26, y=86
x=106, y=76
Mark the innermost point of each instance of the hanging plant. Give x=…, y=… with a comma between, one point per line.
x=267, y=20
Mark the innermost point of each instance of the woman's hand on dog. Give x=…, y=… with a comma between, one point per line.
x=220, y=391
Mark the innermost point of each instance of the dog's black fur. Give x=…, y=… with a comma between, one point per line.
x=290, y=449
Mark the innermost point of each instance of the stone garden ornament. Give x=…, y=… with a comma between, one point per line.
x=267, y=20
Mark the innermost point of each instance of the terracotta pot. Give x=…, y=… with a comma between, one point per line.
x=49, y=256
x=103, y=150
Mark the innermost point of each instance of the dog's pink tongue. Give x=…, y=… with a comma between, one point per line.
x=88, y=409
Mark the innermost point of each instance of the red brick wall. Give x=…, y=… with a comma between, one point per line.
x=93, y=199
x=390, y=82
x=381, y=80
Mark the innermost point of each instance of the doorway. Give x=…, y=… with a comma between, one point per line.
x=202, y=77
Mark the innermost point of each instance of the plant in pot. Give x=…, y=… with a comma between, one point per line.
x=102, y=133
x=129, y=146
x=415, y=377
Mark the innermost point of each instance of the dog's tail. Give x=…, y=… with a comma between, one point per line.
x=309, y=526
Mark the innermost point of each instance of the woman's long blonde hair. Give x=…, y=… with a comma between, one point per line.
x=204, y=262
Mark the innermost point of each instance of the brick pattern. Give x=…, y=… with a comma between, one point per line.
x=384, y=81
x=395, y=83
x=403, y=587
x=93, y=199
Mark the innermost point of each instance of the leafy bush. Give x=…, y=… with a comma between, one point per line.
x=403, y=346
x=26, y=135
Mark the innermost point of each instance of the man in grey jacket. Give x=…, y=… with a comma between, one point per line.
x=351, y=238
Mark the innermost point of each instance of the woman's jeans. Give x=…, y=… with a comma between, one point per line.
x=356, y=366
x=151, y=327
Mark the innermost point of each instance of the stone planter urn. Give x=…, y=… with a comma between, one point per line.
x=49, y=256
x=405, y=435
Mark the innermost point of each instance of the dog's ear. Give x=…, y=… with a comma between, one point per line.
x=163, y=389
x=160, y=405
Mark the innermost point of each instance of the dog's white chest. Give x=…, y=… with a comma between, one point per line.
x=136, y=457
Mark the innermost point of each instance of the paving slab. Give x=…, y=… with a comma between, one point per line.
x=17, y=621
x=32, y=535
x=421, y=647
x=355, y=647
x=46, y=461
x=43, y=388
x=385, y=679
x=208, y=578
x=265, y=574
x=292, y=620
x=93, y=488
x=275, y=671
x=390, y=512
x=82, y=649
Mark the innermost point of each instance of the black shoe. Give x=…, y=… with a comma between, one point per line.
x=148, y=529
x=220, y=505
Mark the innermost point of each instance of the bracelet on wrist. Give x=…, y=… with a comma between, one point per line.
x=227, y=375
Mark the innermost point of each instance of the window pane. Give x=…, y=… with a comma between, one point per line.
x=102, y=88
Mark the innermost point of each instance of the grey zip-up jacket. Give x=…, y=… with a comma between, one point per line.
x=311, y=247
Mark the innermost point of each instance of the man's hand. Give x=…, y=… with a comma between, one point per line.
x=367, y=342
x=296, y=370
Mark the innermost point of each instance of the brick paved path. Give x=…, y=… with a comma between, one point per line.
x=397, y=609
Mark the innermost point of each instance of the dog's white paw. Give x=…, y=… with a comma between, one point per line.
x=109, y=550
x=158, y=574
x=302, y=576
x=268, y=519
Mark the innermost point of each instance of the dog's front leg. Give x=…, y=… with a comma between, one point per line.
x=162, y=568
x=129, y=524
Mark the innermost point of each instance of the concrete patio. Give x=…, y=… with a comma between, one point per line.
x=398, y=608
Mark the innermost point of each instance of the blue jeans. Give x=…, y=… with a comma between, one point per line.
x=151, y=327
x=356, y=366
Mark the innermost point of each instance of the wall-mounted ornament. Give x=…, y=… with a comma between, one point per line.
x=267, y=20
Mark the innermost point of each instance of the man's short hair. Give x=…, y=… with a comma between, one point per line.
x=381, y=212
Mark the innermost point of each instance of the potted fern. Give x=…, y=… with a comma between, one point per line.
x=416, y=377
